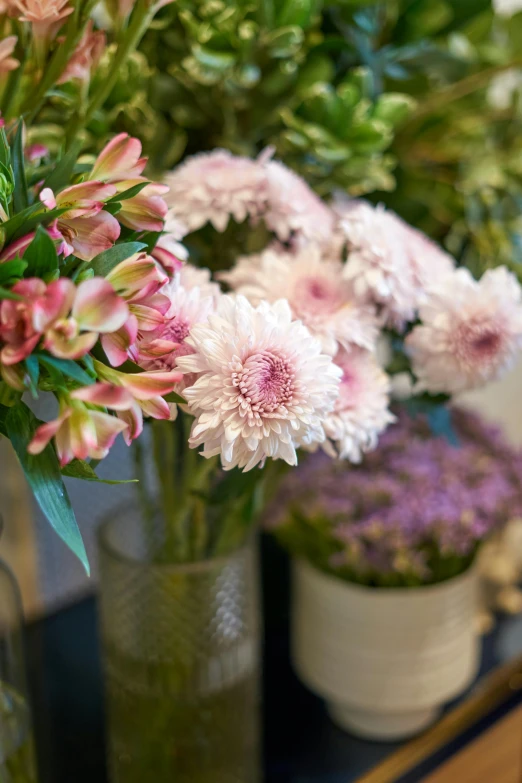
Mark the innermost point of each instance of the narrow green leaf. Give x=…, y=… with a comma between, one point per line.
x=12, y=269
x=41, y=255
x=83, y=470
x=5, y=153
x=20, y=197
x=129, y=193
x=104, y=262
x=33, y=371
x=172, y=397
x=44, y=476
x=68, y=367
x=61, y=175
x=5, y=294
x=113, y=208
x=26, y=221
x=4, y=410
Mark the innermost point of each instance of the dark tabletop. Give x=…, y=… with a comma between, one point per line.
x=301, y=745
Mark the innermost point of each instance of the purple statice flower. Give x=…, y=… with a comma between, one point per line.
x=413, y=512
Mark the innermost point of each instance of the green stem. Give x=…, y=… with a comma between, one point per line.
x=140, y=20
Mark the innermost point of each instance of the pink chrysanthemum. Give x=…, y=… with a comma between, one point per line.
x=264, y=387
x=389, y=262
x=293, y=207
x=316, y=290
x=361, y=411
x=212, y=187
x=470, y=331
x=188, y=306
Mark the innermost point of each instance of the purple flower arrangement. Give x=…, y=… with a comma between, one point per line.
x=414, y=512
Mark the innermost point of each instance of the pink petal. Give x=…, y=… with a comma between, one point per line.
x=148, y=318
x=48, y=198
x=107, y=429
x=97, y=306
x=168, y=260
x=146, y=385
x=156, y=348
x=45, y=433
x=156, y=408
x=91, y=235
x=12, y=354
x=133, y=418
x=17, y=248
x=119, y=158
x=85, y=199
x=136, y=275
x=106, y=395
x=117, y=344
x=77, y=347
x=55, y=303
x=82, y=433
x=147, y=210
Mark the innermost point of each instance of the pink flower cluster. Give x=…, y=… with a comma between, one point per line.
x=62, y=321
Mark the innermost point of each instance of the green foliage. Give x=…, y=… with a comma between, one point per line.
x=44, y=476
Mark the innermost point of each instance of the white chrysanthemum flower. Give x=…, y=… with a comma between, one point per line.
x=361, y=411
x=293, y=207
x=213, y=186
x=316, y=291
x=191, y=276
x=175, y=230
x=389, y=262
x=264, y=387
x=470, y=331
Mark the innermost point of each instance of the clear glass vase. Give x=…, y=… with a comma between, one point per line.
x=181, y=651
x=17, y=763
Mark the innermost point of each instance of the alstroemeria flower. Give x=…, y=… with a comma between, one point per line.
x=45, y=16
x=137, y=280
x=94, y=309
x=147, y=389
x=168, y=252
x=120, y=159
x=86, y=56
x=8, y=63
x=82, y=431
x=17, y=330
x=87, y=229
x=147, y=210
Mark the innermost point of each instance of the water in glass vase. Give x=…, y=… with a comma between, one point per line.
x=16, y=745
x=166, y=732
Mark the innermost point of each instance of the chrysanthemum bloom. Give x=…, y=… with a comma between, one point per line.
x=191, y=276
x=84, y=428
x=86, y=228
x=45, y=16
x=317, y=292
x=389, y=262
x=8, y=63
x=361, y=410
x=294, y=209
x=212, y=187
x=85, y=57
x=264, y=386
x=470, y=332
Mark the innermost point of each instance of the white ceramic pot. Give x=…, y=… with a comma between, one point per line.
x=385, y=660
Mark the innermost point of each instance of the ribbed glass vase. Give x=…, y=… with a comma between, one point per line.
x=17, y=763
x=181, y=651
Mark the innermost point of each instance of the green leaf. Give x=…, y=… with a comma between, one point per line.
x=5, y=153
x=82, y=470
x=127, y=194
x=12, y=269
x=60, y=177
x=44, y=476
x=172, y=397
x=41, y=255
x=68, y=367
x=20, y=198
x=4, y=410
x=33, y=371
x=104, y=262
x=113, y=208
x=25, y=221
x=5, y=294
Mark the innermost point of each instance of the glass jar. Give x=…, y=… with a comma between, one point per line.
x=181, y=654
x=16, y=741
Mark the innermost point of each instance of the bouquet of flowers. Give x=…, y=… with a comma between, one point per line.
x=414, y=513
